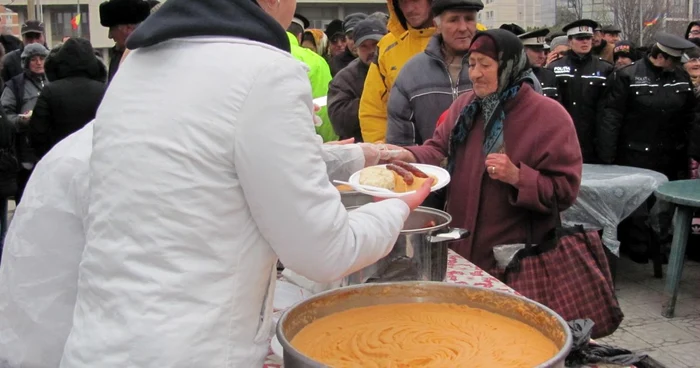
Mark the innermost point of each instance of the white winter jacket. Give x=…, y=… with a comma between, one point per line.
x=199, y=181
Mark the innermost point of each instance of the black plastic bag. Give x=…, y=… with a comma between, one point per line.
x=583, y=352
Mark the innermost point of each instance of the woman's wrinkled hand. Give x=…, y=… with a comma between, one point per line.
x=499, y=167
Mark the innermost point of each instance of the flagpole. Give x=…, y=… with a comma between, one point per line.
x=81, y=21
x=641, y=25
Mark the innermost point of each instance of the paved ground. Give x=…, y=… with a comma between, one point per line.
x=674, y=342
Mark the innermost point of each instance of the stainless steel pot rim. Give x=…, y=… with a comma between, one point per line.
x=561, y=355
x=445, y=215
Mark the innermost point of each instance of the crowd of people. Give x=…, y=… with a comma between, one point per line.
x=151, y=216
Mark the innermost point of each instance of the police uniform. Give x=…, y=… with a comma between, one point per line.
x=581, y=82
x=648, y=112
x=536, y=40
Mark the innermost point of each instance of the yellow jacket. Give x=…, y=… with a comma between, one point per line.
x=395, y=49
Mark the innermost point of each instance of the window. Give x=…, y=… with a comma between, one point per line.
x=61, y=26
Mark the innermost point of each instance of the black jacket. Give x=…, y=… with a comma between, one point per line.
x=548, y=81
x=581, y=81
x=344, y=94
x=341, y=60
x=12, y=65
x=9, y=165
x=71, y=99
x=648, y=115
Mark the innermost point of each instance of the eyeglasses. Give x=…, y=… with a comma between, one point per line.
x=583, y=38
x=695, y=33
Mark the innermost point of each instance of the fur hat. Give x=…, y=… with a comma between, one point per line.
x=116, y=12
x=32, y=50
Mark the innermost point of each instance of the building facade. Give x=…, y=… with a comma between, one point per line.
x=525, y=13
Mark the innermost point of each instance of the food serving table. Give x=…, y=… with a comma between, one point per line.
x=459, y=271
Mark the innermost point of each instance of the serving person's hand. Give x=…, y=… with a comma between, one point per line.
x=392, y=152
x=317, y=119
x=414, y=200
x=499, y=167
x=341, y=143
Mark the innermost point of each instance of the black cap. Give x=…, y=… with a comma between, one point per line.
x=580, y=27
x=116, y=12
x=672, y=44
x=610, y=29
x=513, y=28
x=334, y=27
x=301, y=20
x=32, y=26
x=351, y=21
x=369, y=29
x=440, y=6
x=534, y=38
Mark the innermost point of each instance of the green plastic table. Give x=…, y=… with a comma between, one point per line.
x=685, y=194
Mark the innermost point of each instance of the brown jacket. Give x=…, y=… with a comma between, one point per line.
x=540, y=139
x=605, y=51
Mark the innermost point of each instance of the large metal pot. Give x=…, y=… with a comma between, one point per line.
x=513, y=306
x=420, y=252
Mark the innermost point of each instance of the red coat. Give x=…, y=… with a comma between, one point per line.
x=540, y=139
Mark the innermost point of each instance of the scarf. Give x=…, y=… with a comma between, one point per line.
x=513, y=71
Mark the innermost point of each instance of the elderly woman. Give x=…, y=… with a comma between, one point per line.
x=512, y=152
x=191, y=207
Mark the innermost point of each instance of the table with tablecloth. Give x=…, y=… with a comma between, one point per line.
x=609, y=194
x=459, y=271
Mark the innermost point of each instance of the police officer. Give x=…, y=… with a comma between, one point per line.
x=648, y=112
x=534, y=43
x=581, y=82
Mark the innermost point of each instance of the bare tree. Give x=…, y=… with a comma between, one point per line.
x=576, y=8
x=626, y=14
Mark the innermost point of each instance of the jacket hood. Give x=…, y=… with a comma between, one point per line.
x=75, y=58
x=397, y=21
x=228, y=18
x=690, y=26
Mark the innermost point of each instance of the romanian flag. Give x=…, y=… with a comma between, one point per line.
x=653, y=21
x=75, y=22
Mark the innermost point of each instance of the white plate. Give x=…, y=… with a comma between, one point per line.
x=443, y=178
x=276, y=347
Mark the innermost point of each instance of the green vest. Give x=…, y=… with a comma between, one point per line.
x=320, y=77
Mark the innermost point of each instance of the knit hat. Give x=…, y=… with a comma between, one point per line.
x=623, y=48
x=485, y=45
x=32, y=50
x=334, y=27
x=351, y=21
x=382, y=17
x=116, y=12
x=559, y=41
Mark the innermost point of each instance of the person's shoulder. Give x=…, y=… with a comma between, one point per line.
x=416, y=63
x=532, y=100
x=347, y=74
x=627, y=71
x=564, y=61
x=603, y=63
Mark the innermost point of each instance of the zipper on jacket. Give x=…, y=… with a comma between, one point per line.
x=455, y=88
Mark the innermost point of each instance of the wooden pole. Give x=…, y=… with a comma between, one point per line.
x=641, y=25
x=31, y=10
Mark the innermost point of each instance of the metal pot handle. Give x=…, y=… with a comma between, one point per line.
x=453, y=234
